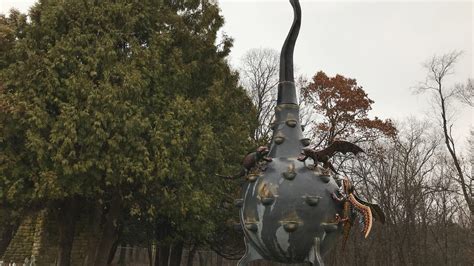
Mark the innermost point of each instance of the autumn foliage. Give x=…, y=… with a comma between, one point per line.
x=343, y=106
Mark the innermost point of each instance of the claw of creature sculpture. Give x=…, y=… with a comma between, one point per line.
x=353, y=207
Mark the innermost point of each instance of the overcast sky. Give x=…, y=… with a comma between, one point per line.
x=381, y=44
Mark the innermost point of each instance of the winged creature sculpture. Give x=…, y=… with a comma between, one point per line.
x=323, y=156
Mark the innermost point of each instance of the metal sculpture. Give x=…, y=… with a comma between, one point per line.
x=292, y=212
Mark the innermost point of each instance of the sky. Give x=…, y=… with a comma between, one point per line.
x=382, y=44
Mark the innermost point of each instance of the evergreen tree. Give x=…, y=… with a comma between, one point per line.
x=128, y=106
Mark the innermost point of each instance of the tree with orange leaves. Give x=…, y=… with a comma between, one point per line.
x=344, y=107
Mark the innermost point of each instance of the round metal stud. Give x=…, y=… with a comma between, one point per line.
x=325, y=178
x=291, y=123
x=290, y=226
x=251, y=226
x=312, y=200
x=267, y=200
x=305, y=142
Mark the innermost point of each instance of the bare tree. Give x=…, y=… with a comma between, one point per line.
x=259, y=73
x=465, y=92
x=439, y=68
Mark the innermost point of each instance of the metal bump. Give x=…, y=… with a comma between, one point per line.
x=290, y=226
x=238, y=203
x=291, y=123
x=252, y=178
x=279, y=138
x=251, y=226
x=312, y=200
x=290, y=174
x=267, y=200
x=325, y=178
x=305, y=141
x=329, y=227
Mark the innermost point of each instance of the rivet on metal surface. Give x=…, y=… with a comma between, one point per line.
x=291, y=120
x=290, y=174
x=267, y=200
x=290, y=226
x=325, y=178
x=238, y=203
x=252, y=178
x=291, y=123
x=305, y=142
x=251, y=226
x=312, y=200
x=279, y=138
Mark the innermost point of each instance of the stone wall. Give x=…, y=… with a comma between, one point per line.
x=22, y=243
x=37, y=239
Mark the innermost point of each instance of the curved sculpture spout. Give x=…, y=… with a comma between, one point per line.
x=286, y=87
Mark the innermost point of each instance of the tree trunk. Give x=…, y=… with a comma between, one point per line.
x=112, y=252
x=68, y=214
x=108, y=233
x=176, y=253
x=164, y=254
x=219, y=260
x=150, y=253
x=122, y=256
x=191, y=254
x=97, y=212
x=157, y=255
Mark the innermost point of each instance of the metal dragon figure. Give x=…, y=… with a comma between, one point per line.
x=323, y=156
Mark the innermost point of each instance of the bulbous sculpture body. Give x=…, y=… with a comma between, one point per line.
x=288, y=213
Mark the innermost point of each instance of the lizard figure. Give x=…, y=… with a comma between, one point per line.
x=250, y=161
